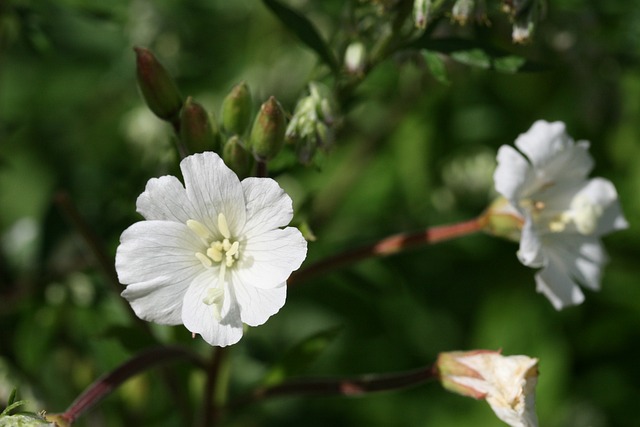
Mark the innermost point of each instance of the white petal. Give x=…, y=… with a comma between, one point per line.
x=199, y=317
x=213, y=188
x=165, y=198
x=268, y=206
x=530, y=252
x=152, y=249
x=581, y=256
x=512, y=176
x=554, y=282
x=553, y=153
x=156, y=260
x=602, y=192
x=158, y=300
x=257, y=305
x=269, y=258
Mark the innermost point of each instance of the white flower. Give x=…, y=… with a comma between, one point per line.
x=506, y=382
x=211, y=254
x=564, y=213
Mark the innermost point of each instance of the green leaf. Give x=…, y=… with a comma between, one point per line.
x=436, y=66
x=477, y=54
x=298, y=358
x=305, y=30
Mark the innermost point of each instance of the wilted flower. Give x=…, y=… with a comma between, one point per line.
x=564, y=214
x=211, y=254
x=507, y=383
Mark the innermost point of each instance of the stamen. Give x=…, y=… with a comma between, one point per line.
x=205, y=260
x=223, y=226
x=198, y=228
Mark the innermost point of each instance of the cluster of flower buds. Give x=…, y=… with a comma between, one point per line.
x=313, y=121
x=198, y=129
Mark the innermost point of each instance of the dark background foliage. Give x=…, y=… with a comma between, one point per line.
x=413, y=152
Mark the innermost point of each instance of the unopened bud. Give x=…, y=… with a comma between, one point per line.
x=267, y=133
x=237, y=157
x=158, y=88
x=196, y=130
x=355, y=59
x=421, y=9
x=236, y=109
x=462, y=11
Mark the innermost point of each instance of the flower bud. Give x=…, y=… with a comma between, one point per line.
x=503, y=220
x=355, y=59
x=421, y=13
x=507, y=383
x=158, y=88
x=196, y=130
x=267, y=133
x=237, y=157
x=236, y=109
x=462, y=11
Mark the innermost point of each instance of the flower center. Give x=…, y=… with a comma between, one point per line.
x=222, y=251
x=582, y=213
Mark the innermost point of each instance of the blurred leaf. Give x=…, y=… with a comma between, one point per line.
x=301, y=355
x=132, y=339
x=436, y=66
x=478, y=54
x=305, y=30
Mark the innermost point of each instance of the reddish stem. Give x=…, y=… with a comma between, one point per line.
x=389, y=245
x=107, y=383
x=354, y=386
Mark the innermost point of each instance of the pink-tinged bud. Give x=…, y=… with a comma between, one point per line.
x=158, y=88
x=507, y=383
x=236, y=110
x=267, y=133
x=196, y=130
x=237, y=157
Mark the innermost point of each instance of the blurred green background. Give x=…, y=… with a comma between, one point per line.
x=413, y=152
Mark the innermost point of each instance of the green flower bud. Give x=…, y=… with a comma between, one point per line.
x=236, y=109
x=267, y=133
x=158, y=88
x=237, y=157
x=421, y=9
x=196, y=130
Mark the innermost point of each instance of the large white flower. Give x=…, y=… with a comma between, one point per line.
x=564, y=213
x=506, y=382
x=211, y=254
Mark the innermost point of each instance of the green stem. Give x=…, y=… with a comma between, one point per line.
x=389, y=245
x=215, y=388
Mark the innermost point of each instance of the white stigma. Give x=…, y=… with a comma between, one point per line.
x=585, y=214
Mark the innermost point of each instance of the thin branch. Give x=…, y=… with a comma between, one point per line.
x=212, y=411
x=354, y=386
x=109, y=382
x=388, y=246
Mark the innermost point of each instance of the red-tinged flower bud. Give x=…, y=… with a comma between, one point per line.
x=157, y=86
x=237, y=157
x=196, y=130
x=236, y=109
x=267, y=133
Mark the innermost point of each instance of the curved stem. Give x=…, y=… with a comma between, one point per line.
x=109, y=382
x=389, y=245
x=354, y=386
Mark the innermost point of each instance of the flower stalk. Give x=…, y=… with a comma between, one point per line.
x=389, y=246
